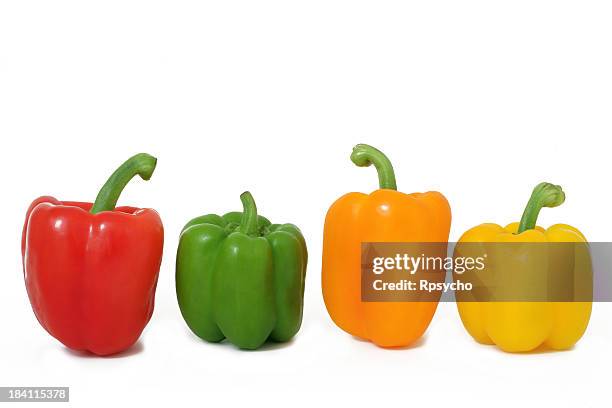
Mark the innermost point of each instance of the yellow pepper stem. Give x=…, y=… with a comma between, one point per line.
x=543, y=195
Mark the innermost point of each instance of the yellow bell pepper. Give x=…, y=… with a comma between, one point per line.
x=521, y=326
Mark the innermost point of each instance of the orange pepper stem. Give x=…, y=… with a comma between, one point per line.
x=365, y=155
x=543, y=195
x=248, y=223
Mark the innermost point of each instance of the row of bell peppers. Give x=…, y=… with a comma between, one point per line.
x=91, y=270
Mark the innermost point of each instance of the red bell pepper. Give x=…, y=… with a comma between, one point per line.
x=91, y=270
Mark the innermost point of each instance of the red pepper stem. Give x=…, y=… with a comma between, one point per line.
x=543, y=195
x=248, y=223
x=142, y=164
x=365, y=155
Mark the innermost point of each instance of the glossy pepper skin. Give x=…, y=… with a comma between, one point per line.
x=385, y=215
x=526, y=326
x=240, y=277
x=91, y=276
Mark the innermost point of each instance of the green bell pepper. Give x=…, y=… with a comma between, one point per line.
x=240, y=277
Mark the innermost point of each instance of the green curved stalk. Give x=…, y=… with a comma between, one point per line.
x=142, y=164
x=248, y=223
x=365, y=155
x=543, y=195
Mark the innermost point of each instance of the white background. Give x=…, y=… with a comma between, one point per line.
x=478, y=99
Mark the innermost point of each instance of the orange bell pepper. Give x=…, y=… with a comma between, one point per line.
x=386, y=215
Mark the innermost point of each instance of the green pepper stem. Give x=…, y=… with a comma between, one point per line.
x=248, y=223
x=543, y=195
x=142, y=164
x=365, y=155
